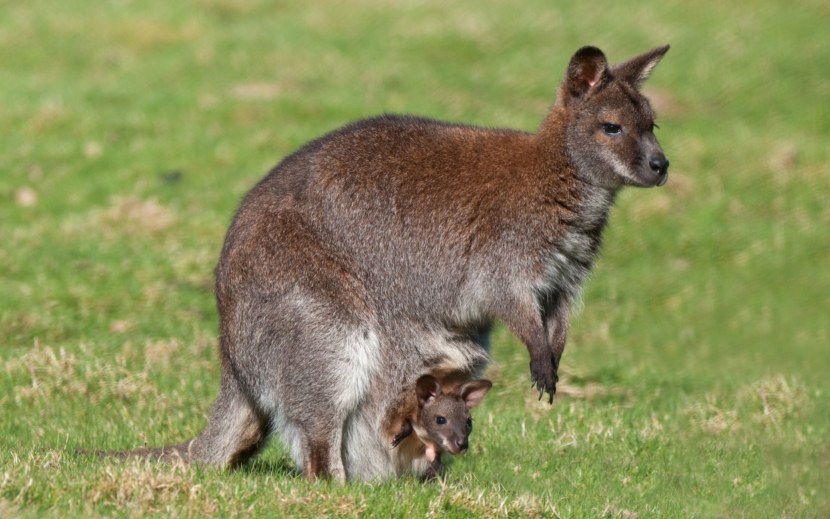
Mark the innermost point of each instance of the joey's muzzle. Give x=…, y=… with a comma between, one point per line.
x=456, y=445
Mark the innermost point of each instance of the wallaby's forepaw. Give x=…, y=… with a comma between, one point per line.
x=544, y=377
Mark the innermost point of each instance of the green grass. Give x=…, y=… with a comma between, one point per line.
x=696, y=374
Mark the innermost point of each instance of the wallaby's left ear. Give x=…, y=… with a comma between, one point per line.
x=473, y=392
x=637, y=70
x=587, y=71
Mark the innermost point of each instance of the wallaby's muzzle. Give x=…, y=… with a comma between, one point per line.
x=660, y=165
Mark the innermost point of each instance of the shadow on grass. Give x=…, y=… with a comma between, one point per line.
x=281, y=466
x=264, y=465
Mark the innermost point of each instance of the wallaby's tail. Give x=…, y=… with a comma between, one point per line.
x=234, y=434
x=169, y=453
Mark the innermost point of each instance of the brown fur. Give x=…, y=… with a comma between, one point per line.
x=386, y=249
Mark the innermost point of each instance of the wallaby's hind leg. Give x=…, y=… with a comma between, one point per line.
x=316, y=462
x=235, y=431
x=322, y=452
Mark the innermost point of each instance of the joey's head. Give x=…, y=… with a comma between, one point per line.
x=609, y=133
x=444, y=422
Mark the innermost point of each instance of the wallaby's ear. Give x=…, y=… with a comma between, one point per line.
x=427, y=388
x=587, y=70
x=636, y=70
x=473, y=392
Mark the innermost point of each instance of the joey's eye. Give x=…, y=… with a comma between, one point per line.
x=470, y=423
x=612, y=129
x=440, y=420
x=654, y=127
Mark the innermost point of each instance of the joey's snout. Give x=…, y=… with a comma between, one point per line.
x=462, y=445
x=458, y=445
x=659, y=164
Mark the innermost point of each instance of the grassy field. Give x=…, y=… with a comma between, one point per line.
x=696, y=374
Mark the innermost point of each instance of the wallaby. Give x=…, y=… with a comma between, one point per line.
x=386, y=249
x=440, y=420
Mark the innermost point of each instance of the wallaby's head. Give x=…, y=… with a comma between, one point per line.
x=444, y=420
x=609, y=132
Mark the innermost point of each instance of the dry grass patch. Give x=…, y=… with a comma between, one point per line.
x=144, y=34
x=52, y=372
x=24, y=476
x=617, y=512
x=25, y=196
x=159, y=353
x=318, y=499
x=262, y=91
x=779, y=398
x=143, y=488
x=124, y=216
x=712, y=417
x=8, y=509
x=468, y=496
x=588, y=391
x=136, y=216
x=774, y=399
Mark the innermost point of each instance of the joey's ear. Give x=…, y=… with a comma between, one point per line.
x=473, y=392
x=636, y=70
x=427, y=388
x=587, y=70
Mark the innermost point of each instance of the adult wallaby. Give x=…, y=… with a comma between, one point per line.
x=439, y=418
x=384, y=250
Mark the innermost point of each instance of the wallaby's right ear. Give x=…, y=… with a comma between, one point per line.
x=637, y=70
x=587, y=71
x=427, y=388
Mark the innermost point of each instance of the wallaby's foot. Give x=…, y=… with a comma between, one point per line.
x=235, y=432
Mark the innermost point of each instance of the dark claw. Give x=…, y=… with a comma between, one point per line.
x=546, y=382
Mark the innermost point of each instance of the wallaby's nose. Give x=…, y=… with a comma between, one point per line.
x=462, y=445
x=660, y=165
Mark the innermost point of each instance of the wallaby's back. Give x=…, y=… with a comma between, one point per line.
x=415, y=211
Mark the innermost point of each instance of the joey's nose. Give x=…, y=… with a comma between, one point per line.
x=461, y=445
x=660, y=165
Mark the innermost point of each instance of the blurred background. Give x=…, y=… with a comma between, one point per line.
x=131, y=130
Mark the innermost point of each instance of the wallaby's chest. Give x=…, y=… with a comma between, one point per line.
x=568, y=261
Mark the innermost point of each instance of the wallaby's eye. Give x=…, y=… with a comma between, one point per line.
x=612, y=129
x=470, y=422
x=440, y=420
x=654, y=127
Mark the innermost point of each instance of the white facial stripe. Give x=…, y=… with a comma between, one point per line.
x=619, y=167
